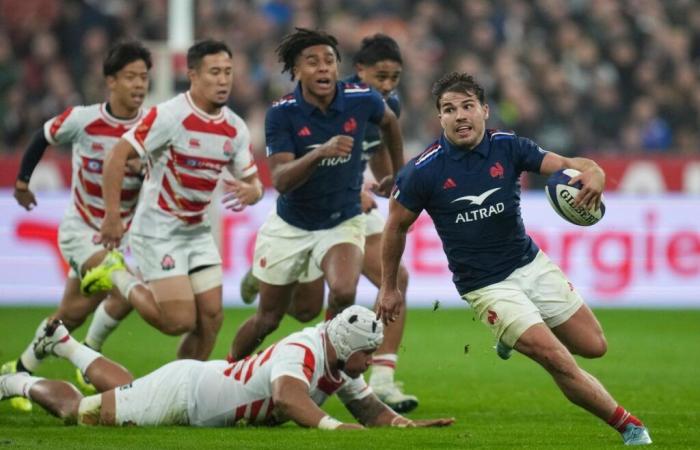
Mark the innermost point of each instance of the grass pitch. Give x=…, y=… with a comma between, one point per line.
x=447, y=360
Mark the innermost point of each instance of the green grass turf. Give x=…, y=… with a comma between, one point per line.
x=652, y=368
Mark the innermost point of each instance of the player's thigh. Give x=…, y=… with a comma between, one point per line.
x=282, y=252
x=582, y=334
x=75, y=307
x=338, y=252
x=159, y=398
x=372, y=261
x=550, y=290
x=505, y=309
x=175, y=299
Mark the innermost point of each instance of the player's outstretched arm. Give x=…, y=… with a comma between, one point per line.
x=115, y=164
x=371, y=412
x=390, y=300
x=292, y=401
x=592, y=177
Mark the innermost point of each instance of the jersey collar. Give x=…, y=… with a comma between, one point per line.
x=338, y=103
x=457, y=153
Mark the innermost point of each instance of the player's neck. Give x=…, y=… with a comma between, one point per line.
x=205, y=105
x=119, y=111
x=320, y=102
x=331, y=358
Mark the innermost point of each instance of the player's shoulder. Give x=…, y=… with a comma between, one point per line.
x=394, y=102
x=285, y=102
x=233, y=118
x=83, y=112
x=501, y=135
x=357, y=89
x=428, y=157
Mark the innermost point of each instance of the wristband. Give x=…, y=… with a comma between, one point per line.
x=328, y=423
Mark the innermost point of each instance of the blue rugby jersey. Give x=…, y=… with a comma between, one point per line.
x=373, y=135
x=473, y=198
x=332, y=193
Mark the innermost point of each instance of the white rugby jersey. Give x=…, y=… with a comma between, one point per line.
x=186, y=150
x=226, y=393
x=93, y=132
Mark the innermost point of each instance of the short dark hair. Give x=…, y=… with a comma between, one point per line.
x=124, y=53
x=378, y=47
x=198, y=51
x=293, y=44
x=457, y=82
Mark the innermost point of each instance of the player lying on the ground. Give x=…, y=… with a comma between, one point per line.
x=286, y=381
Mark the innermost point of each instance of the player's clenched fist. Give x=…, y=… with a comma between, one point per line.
x=340, y=145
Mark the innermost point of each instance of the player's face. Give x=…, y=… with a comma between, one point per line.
x=358, y=363
x=130, y=84
x=317, y=70
x=213, y=79
x=383, y=76
x=463, y=118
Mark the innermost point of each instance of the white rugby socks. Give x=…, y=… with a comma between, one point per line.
x=101, y=327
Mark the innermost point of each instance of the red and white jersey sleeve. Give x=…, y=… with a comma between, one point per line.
x=93, y=132
x=186, y=151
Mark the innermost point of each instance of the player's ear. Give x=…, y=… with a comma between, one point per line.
x=486, y=111
x=111, y=81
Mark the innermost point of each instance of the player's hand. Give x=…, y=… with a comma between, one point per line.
x=239, y=194
x=111, y=231
x=424, y=423
x=25, y=198
x=384, y=187
x=367, y=201
x=593, y=181
x=389, y=305
x=337, y=146
x=350, y=426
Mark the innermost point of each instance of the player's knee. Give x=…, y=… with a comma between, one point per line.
x=306, y=315
x=343, y=293
x=211, y=320
x=267, y=323
x=596, y=348
x=177, y=327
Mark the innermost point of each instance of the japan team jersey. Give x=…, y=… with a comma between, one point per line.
x=332, y=193
x=473, y=198
x=373, y=135
x=93, y=132
x=225, y=393
x=186, y=150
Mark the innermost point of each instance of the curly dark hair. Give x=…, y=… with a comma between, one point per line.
x=457, y=82
x=293, y=44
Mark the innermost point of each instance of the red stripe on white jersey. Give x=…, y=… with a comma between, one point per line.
x=190, y=181
x=197, y=162
x=190, y=220
x=101, y=128
x=56, y=125
x=240, y=412
x=255, y=409
x=95, y=189
x=145, y=126
x=309, y=360
x=182, y=202
x=195, y=123
x=328, y=386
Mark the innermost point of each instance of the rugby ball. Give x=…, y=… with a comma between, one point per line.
x=561, y=196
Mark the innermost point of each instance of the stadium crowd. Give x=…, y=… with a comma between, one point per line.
x=578, y=76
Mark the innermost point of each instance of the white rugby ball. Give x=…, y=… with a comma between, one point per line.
x=561, y=196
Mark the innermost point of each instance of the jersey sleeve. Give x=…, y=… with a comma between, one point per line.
x=293, y=360
x=410, y=188
x=152, y=132
x=243, y=163
x=393, y=102
x=353, y=389
x=377, y=106
x=63, y=128
x=278, y=132
x=528, y=155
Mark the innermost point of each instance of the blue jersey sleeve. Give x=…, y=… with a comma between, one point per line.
x=393, y=102
x=410, y=189
x=377, y=105
x=278, y=132
x=528, y=155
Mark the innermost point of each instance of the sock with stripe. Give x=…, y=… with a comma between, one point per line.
x=19, y=384
x=383, y=368
x=621, y=418
x=80, y=355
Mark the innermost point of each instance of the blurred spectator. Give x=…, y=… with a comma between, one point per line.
x=578, y=75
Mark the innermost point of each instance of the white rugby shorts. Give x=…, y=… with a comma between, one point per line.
x=285, y=254
x=77, y=241
x=159, y=258
x=374, y=222
x=535, y=293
